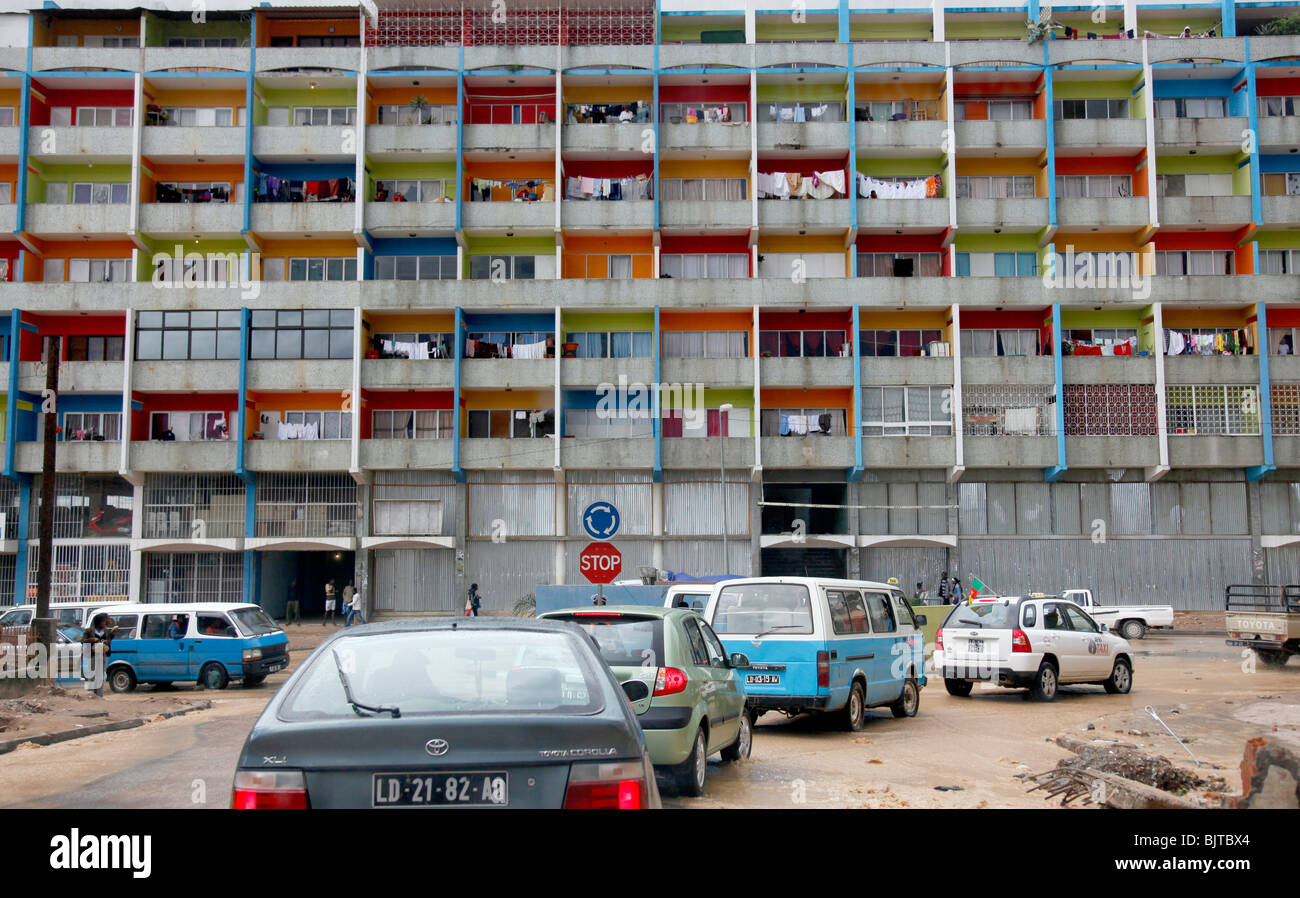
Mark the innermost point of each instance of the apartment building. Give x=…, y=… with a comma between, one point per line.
x=384, y=294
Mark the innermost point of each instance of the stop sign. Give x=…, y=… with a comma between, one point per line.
x=600, y=563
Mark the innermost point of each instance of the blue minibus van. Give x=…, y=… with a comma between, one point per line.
x=823, y=645
x=214, y=643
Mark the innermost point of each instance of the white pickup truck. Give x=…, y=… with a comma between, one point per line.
x=1129, y=621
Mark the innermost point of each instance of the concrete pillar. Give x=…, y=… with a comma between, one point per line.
x=361, y=564
x=657, y=523
x=851, y=497
x=135, y=575
x=755, y=528
x=1258, y=560
x=561, y=509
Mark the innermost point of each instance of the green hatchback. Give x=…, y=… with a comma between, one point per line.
x=694, y=696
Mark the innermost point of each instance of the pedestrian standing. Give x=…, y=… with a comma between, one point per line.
x=293, y=609
x=329, y=605
x=943, y=588
x=96, y=643
x=474, y=602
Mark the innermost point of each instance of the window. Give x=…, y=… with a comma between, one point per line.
x=400, y=344
x=1192, y=107
x=306, y=334
x=899, y=265
x=847, y=612
x=690, y=113
x=316, y=269
x=809, y=265
x=1010, y=110
x=801, y=112
x=406, y=114
x=1194, y=262
x=175, y=42
x=125, y=625
x=612, y=344
x=213, y=270
x=1194, y=185
x=104, y=116
x=987, y=342
x=890, y=342
x=898, y=111
x=196, y=192
x=784, y=422
x=1008, y=409
x=995, y=187
x=415, y=268
x=1098, y=265
x=1101, y=335
x=6, y=195
x=1102, y=108
x=84, y=271
x=188, y=426
x=1213, y=409
x=95, y=349
x=199, y=117
x=708, y=422
x=997, y=265
x=516, y=268
x=591, y=423
x=99, y=194
x=187, y=335
x=794, y=344
x=906, y=411
x=878, y=610
x=508, y=424
x=412, y=191
x=711, y=190
x=1283, y=340
x=6, y=116
x=1282, y=183
x=411, y=424
x=1074, y=186
x=80, y=426
x=325, y=425
x=704, y=265
x=216, y=625
x=1275, y=106
x=705, y=344
x=324, y=115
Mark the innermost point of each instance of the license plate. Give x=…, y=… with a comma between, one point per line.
x=467, y=790
x=274, y=667
x=974, y=645
x=762, y=679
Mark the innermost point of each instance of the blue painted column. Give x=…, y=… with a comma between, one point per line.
x=656, y=400
x=249, y=183
x=654, y=123
x=11, y=399
x=1049, y=113
x=1265, y=397
x=1252, y=114
x=24, y=524
x=855, y=335
x=842, y=19
x=460, y=145
x=24, y=126
x=853, y=161
x=1230, y=20
x=457, y=472
x=1054, y=473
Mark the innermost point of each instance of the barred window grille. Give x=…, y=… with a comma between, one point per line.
x=8, y=563
x=409, y=506
x=306, y=504
x=544, y=24
x=1110, y=410
x=86, y=505
x=1008, y=410
x=1210, y=409
x=184, y=577
x=84, y=571
x=9, y=508
x=1286, y=409
x=193, y=506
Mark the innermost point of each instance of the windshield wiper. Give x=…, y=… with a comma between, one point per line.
x=774, y=629
x=356, y=705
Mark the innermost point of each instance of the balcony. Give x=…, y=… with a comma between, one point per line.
x=45, y=59
x=1112, y=451
x=1009, y=369
x=165, y=142
x=185, y=376
x=1204, y=210
x=74, y=377
x=510, y=139
x=715, y=374
x=406, y=454
x=1212, y=369
x=1281, y=210
x=594, y=372
x=187, y=219
x=693, y=214
x=807, y=372
x=688, y=452
x=599, y=215
x=287, y=376
x=503, y=453
x=520, y=216
x=904, y=138
x=192, y=455
x=298, y=455
x=807, y=452
x=514, y=374
x=927, y=214
x=729, y=140
x=1119, y=134
x=270, y=59
x=411, y=142
x=624, y=137
x=1083, y=51
x=67, y=220
x=1122, y=213
x=407, y=58
x=302, y=143
x=1008, y=451
x=1109, y=370
x=8, y=143
x=8, y=218
x=73, y=457
x=1278, y=133
x=1018, y=137
x=611, y=453
x=70, y=145
x=1213, y=135
x=399, y=219
x=830, y=137
x=407, y=374
x=1229, y=49
x=304, y=218
x=904, y=452
x=1005, y=214
x=920, y=371
x=801, y=215
x=161, y=59
x=1215, y=451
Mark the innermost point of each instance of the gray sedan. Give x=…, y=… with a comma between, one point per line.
x=449, y=712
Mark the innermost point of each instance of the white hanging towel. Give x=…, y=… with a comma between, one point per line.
x=1020, y=420
x=835, y=179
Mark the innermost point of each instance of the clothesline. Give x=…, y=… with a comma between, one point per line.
x=1239, y=341
x=1101, y=347
x=802, y=425
x=577, y=187
x=785, y=185
x=529, y=190
x=273, y=189
x=899, y=188
x=297, y=431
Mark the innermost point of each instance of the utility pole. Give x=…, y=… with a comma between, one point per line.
x=43, y=623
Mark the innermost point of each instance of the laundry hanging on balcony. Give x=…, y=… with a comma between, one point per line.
x=1101, y=347
x=786, y=185
x=529, y=350
x=524, y=190
x=603, y=113
x=272, y=189
x=1240, y=341
x=577, y=187
x=900, y=189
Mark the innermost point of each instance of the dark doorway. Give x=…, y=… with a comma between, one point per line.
x=312, y=570
x=789, y=562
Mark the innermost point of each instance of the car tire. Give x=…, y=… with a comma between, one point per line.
x=1045, y=684
x=959, y=688
x=1120, y=680
x=909, y=701
x=744, y=744
x=1132, y=629
x=688, y=776
x=1272, y=657
x=250, y=682
x=213, y=676
x=854, y=713
x=121, y=679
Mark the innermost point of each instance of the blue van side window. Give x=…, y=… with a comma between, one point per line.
x=882, y=618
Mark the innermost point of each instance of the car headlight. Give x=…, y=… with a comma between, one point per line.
x=252, y=654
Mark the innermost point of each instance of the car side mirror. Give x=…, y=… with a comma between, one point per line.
x=921, y=620
x=739, y=660
x=635, y=690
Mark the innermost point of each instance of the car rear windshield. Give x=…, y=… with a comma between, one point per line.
x=984, y=615
x=254, y=622
x=451, y=672
x=626, y=641
x=762, y=608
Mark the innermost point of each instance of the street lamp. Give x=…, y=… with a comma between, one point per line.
x=722, y=459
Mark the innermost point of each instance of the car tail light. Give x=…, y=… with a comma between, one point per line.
x=269, y=790
x=938, y=638
x=823, y=670
x=607, y=786
x=598, y=614
x=669, y=681
x=1020, y=642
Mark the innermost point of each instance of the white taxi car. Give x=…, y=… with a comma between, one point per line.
x=1039, y=641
